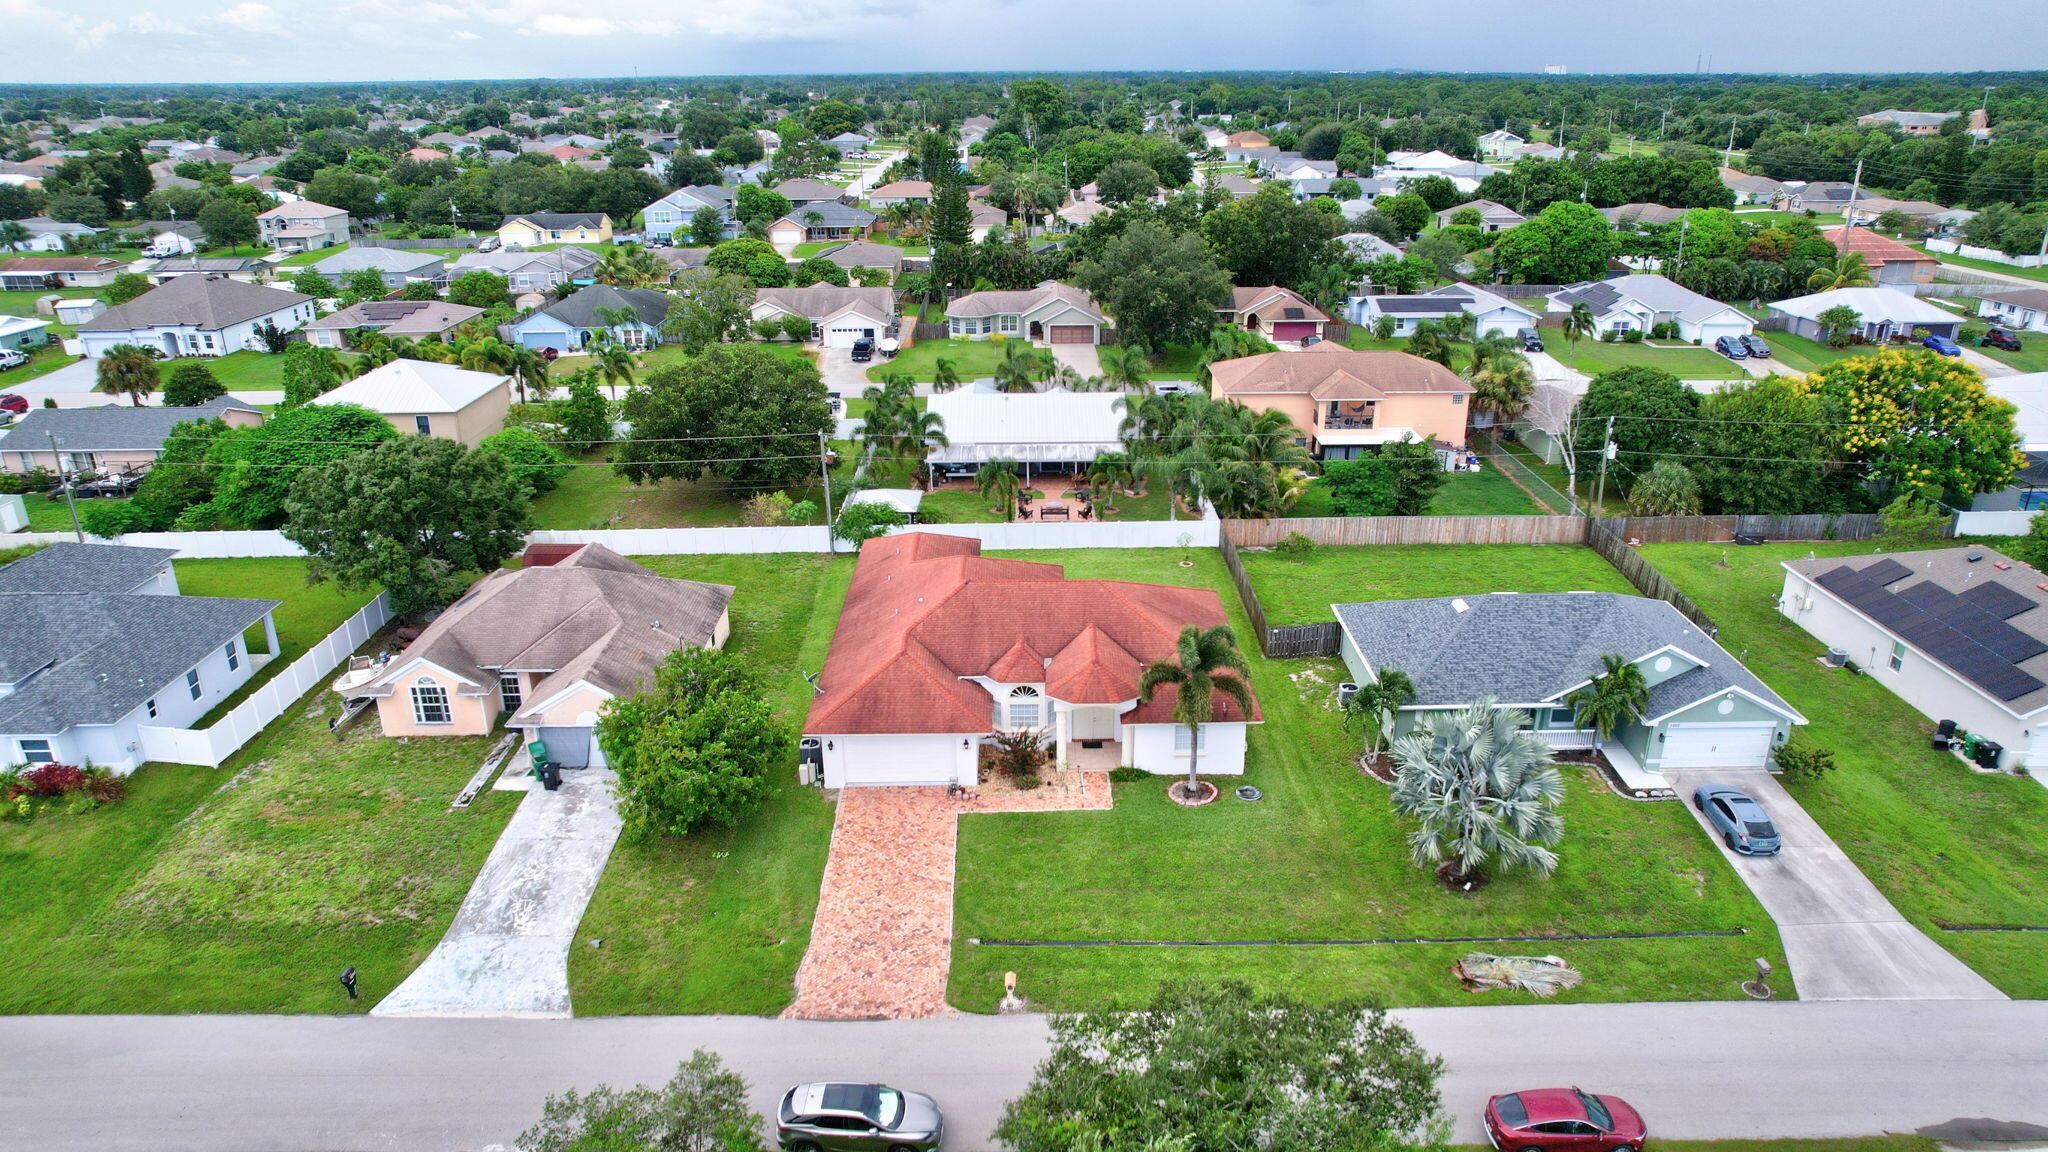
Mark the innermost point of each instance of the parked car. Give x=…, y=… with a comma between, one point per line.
x=1563, y=1120
x=863, y=349
x=2001, y=339
x=1756, y=346
x=1732, y=347
x=1942, y=345
x=1531, y=341
x=13, y=402
x=1741, y=821
x=9, y=358
x=856, y=1118
x=487, y=244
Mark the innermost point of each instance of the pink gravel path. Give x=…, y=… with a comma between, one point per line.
x=882, y=941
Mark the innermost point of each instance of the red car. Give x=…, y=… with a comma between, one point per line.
x=13, y=402
x=1563, y=1120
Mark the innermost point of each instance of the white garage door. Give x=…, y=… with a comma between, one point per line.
x=1717, y=745
x=844, y=337
x=895, y=760
x=569, y=746
x=1712, y=332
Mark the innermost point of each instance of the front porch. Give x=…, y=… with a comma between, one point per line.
x=1090, y=755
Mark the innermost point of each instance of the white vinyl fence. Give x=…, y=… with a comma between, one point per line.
x=2007, y=522
x=210, y=747
x=2030, y=260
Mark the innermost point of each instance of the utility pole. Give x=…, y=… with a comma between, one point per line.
x=1849, y=213
x=825, y=474
x=70, y=504
x=1728, y=156
x=1606, y=454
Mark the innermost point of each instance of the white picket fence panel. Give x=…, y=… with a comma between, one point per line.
x=210, y=747
x=2010, y=522
x=694, y=541
x=2031, y=260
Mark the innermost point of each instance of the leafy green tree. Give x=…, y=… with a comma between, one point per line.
x=415, y=516
x=703, y=1108
x=1667, y=489
x=1222, y=1066
x=1204, y=665
x=860, y=523
x=1563, y=244
x=1652, y=413
x=227, y=223
x=1416, y=472
x=1269, y=238
x=818, y=270
x=586, y=414
x=1359, y=487
x=1123, y=181
x=709, y=307
x=419, y=290
x=693, y=748
x=1848, y=270
x=738, y=413
x=309, y=371
x=1921, y=421
x=952, y=219
x=253, y=468
x=1838, y=325
x=127, y=370
x=1483, y=790
x=707, y=227
x=366, y=284
x=479, y=289
x=180, y=478
x=757, y=260
x=1617, y=697
x=1409, y=212
x=1160, y=287
x=1757, y=449
x=125, y=287
x=533, y=461
x=756, y=206
x=311, y=283
x=191, y=382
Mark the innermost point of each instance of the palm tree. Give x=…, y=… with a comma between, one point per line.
x=1124, y=366
x=945, y=374
x=374, y=356
x=1378, y=702
x=14, y=234
x=1501, y=385
x=1016, y=370
x=485, y=354
x=1618, y=695
x=1204, y=663
x=1848, y=271
x=1107, y=471
x=1431, y=341
x=127, y=370
x=530, y=371
x=998, y=480
x=1483, y=788
x=1579, y=323
x=918, y=431
x=614, y=364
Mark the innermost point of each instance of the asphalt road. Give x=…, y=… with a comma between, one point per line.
x=1963, y=1069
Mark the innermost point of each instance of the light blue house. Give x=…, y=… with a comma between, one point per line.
x=1532, y=651
x=629, y=316
x=674, y=212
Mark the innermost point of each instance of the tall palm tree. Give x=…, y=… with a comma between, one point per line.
x=485, y=354
x=614, y=363
x=1107, y=471
x=918, y=432
x=1017, y=369
x=998, y=480
x=1618, y=695
x=615, y=267
x=1579, y=323
x=1849, y=270
x=1431, y=341
x=1483, y=789
x=1378, y=703
x=127, y=370
x=371, y=357
x=1501, y=385
x=1124, y=366
x=1204, y=663
x=530, y=371
x=945, y=374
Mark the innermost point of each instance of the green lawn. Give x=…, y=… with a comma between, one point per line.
x=305, y=615
x=718, y=921
x=2032, y=356
x=47, y=515
x=594, y=495
x=972, y=359
x=1300, y=589
x=1961, y=261
x=248, y=888
x=1323, y=856
x=1769, y=216
x=41, y=362
x=1803, y=355
x=243, y=370
x=667, y=354
x=1942, y=842
x=963, y=506
x=22, y=301
x=1686, y=363
x=308, y=259
x=1484, y=493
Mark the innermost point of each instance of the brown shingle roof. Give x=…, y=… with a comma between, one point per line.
x=1243, y=300
x=1336, y=371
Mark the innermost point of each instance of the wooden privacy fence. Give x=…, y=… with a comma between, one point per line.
x=404, y=245
x=1410, y=530
x=1645, y=577
x=1287, y=641
x=1723, y=529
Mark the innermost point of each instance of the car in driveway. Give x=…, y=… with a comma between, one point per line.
x=1563, y=1120
x=835, y=1117
x=1732, y=347
x=9, y=358
x=863, y=350
x=1942, y=345
x=1531, y=341
x=2000, y=339
x=1740, y=821
x=1756, y=347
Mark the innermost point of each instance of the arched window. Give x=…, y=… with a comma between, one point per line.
x=430, y=703
x=1026, y=708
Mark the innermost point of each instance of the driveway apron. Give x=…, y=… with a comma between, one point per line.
x=1843, y=939
x=507, y=954
x=882, y=940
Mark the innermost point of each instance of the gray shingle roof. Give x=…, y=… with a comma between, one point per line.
x=1530, y=648
x=1655, y=292
x=581, y=310
x=831, y=214
x=109, y=428
x=204, y=302
x=102, y=655
x=69, y=567
x=378, y=260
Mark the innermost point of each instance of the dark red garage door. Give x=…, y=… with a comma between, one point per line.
x=1071, y=334
x=1294, y=331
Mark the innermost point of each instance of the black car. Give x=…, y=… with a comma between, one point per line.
x=863, y=349
x=2001, y=339
x=1756, y=346
x=1531, y=342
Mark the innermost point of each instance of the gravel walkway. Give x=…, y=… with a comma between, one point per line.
x=882, y=941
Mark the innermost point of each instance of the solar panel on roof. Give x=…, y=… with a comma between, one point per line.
x=1292, y=313
x=1926, y=595
x=2008, y=683
x=1887, y=571
x=1998, y=600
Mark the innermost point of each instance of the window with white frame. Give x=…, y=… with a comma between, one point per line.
x=1026, y=707
x=1898, y=655
x=1183, y=740
x=234, y=657
x=1563, y=718
x=1011, y=323
x=430, y=704
x=508, y=690
x=36, y=752
x=192, y=683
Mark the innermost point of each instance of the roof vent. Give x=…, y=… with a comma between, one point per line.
x=1459, y=605
x=1974, y=557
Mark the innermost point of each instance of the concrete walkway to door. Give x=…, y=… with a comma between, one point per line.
x=507, y=953
x=1843, y=939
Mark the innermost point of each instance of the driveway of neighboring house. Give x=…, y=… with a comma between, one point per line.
x=1549, y=369
x=1985, y=364
x=1843, y=939
x=507, y=954
x=882, y=941
x=1082, y=358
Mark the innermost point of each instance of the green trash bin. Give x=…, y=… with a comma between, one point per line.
x=1970, y=745
x=538, y=753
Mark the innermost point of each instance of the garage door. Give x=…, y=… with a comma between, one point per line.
x=553, y=340
x=1712, y=332
x=1717, y=745
x=1071, y=334
x=569, y=747
x=844, y=337
x=1294, y=331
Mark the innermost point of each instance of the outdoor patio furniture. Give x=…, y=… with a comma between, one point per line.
x=1051, y=510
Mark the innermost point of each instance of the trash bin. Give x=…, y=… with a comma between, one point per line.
x=1970, y=745
x=551, y=776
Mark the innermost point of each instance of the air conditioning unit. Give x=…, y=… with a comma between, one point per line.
x=1345, y=692
x=1836, y=657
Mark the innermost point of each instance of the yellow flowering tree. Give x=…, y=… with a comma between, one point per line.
x=1922, y=421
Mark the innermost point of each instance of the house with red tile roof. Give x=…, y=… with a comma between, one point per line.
x=940, y=648
x=1889, y=261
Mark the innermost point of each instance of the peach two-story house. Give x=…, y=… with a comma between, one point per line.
x=1348, y=403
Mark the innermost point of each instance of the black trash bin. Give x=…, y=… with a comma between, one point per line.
x=551, y=776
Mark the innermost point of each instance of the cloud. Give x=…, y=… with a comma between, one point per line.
x=466, y=34
x=252, y=17
x=151, y=24
x=24, y=17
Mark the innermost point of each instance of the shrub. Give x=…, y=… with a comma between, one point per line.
x=694, y=747
x=21, y=483
x=1610, y=336
x=797, y=328
x=1667, y=489
x=1295, y=545
x=1125, y=774
x=1801, y=759
x=860, y=523
x=89, y=785
x=1911, y=520
x=769, y=327
x=108, y=519
x=1019, y=755
x=768, y=510
x=533, y=461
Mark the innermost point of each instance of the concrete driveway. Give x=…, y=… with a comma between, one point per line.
x=1985, y=364
x=1548, y=369
x=1082, y=358
x=841, y=374
x=507, y=954
x=1843, y=939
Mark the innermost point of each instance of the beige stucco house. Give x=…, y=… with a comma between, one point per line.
x=424, y=398
x=536, y=228
x=107, y=438
x=545, y=647
x=1348, y=403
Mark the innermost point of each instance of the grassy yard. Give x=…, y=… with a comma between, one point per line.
x=41, y=362
x=1962, y=261
x=1686, y=363
x=594, y=495
x=1942, y=842
x=248, y=888
x=1300, y=589
x=972, y=359
x=243, y=370
x=2032, y=356
x=964, y=506
x=1484, y=493
x=666, y=354
x=1803, y=355
x=1323, y=856
x=47, y=515
x=22, y=301
x=305, y=615
x=717, y=922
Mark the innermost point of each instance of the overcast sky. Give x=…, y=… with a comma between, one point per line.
x=277, y=40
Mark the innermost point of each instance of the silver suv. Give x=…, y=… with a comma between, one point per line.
x=856, y=1118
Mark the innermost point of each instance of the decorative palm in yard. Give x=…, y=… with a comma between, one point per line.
x=1484, y=790
x=1378, y=703
x=1849, y=270
x=1107, y=471
x=127, y=370
x=614, y=364
x=1618, y=696
x=530, y=371
x=945, y=374
x=998, y=480
x=484, y=354
x=1124, y=366
x=1432, y=341
x=1017, y=369
x=1501, y=384
x=1203, y=664
x=1579, y=323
